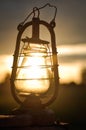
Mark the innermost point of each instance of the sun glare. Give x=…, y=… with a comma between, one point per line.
x=33, y=78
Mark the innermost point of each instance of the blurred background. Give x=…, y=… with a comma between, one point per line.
x=70, y=33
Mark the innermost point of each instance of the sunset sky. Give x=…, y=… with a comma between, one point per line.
x=70, y=33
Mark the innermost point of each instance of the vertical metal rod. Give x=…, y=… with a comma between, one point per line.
x=35, y=28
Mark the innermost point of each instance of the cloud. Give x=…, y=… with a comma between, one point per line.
x=72, y=58
x=72, y=53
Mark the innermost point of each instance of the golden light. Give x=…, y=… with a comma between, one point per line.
x=70, y=73
x=5, y=66
x=35, y=80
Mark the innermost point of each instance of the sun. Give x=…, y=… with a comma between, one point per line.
x=33, y=77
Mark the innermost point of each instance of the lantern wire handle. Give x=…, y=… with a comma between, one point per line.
x=35, y=9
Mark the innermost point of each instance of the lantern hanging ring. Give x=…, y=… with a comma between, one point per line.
x=35, y=9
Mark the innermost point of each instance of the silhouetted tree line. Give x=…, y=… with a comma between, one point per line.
x=83, y=76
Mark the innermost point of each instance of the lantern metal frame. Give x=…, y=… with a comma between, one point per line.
x=50, y=27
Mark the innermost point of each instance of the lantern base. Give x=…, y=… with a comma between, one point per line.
x=33, y=117
x=33, y=112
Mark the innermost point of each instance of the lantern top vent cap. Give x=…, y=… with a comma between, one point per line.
x=34, y=40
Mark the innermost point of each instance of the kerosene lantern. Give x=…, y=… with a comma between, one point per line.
x=34, y=78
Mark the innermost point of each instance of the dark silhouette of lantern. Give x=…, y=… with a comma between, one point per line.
x=34, y=79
